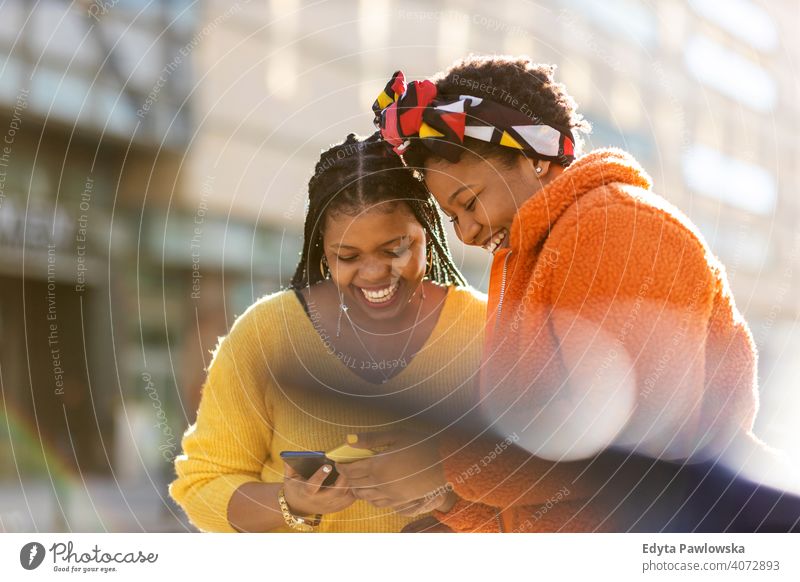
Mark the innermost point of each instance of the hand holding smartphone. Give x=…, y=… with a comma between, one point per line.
x=306, y=463
x=310, y=497
x=312, y=486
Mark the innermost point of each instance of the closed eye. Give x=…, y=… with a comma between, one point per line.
x=469, y=207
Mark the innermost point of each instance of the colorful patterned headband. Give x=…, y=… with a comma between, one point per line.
x=406, y=111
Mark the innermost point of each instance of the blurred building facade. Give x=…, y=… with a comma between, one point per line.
x=95, y=125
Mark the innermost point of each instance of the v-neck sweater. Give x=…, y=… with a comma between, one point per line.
x=276, y=384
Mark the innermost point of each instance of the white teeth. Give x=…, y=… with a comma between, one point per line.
x=492, y=245
x=382, y=295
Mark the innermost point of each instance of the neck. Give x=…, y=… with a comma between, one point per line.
x=528, y=184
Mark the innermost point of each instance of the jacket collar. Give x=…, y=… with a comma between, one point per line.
x=537, y=215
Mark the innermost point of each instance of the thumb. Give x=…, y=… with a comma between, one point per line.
x=372, y=440
x=316, y=480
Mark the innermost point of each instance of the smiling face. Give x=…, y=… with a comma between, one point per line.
x=377, y=257
x=482, y=196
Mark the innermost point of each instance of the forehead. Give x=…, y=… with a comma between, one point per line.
x=371, y=226
x=443, y=178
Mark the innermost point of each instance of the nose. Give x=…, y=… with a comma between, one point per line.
x=468, y=231
x=375, y=271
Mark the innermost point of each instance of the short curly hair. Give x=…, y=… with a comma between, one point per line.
x=511, y=81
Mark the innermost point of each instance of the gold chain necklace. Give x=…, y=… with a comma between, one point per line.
x=355, y=328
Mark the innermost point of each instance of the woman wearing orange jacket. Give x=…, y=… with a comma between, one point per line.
x=611, y=325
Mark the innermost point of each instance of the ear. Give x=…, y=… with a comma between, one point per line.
x=541, y=168
x=533, y=170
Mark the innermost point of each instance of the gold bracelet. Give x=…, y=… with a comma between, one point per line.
x=294, y=521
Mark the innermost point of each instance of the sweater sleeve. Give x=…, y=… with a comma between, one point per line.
x=731, y=400
x=229, y=443
x=634, y=312
x=488, y=473
x=632, y=297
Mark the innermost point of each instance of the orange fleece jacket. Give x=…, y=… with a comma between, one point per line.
x=616, y=328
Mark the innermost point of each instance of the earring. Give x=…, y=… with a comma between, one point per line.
x=322, y=266
x=342, y=310
x=429, y=261
x=538, y=169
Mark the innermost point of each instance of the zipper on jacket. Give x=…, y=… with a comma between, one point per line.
x=502, y=290
x=498, y=516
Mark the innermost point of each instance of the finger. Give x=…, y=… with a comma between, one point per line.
x=368, y=494
x=355, y=471
x=427, y=506
x=373, y=440
x=341, y=483
x=343, y=469
x=344, y=496
x=290, y=473
x=404, y=505
x=399, y=503
x=362, y=482
x=419, y=506
x=343, y=503
x=412, y=510
x=315, y=481
x=328, y=496
x=382, y=502
x=339, y=488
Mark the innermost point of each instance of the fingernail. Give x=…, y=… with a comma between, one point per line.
x=326, y=469
x=352, y=439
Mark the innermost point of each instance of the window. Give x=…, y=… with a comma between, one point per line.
x=626, y=105
x=627, y=18
x=738, y=244
x=453, y=37
x=282, y=65
x=732, y=181
x=742, y=18
x=731, y=74
x=373, y=29
x=576, y=74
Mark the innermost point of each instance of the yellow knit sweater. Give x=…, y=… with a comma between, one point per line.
x=273, y=386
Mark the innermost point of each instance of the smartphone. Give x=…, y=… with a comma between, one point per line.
x=306, y=463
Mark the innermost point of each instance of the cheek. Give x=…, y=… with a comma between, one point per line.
x=342, y=273
x=492, y=217
x=498, y=209
x=458, y=232
x=410, y=265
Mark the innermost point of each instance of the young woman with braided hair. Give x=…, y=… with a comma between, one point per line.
x=377, y=331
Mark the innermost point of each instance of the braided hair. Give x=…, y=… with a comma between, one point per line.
x=359, y=173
